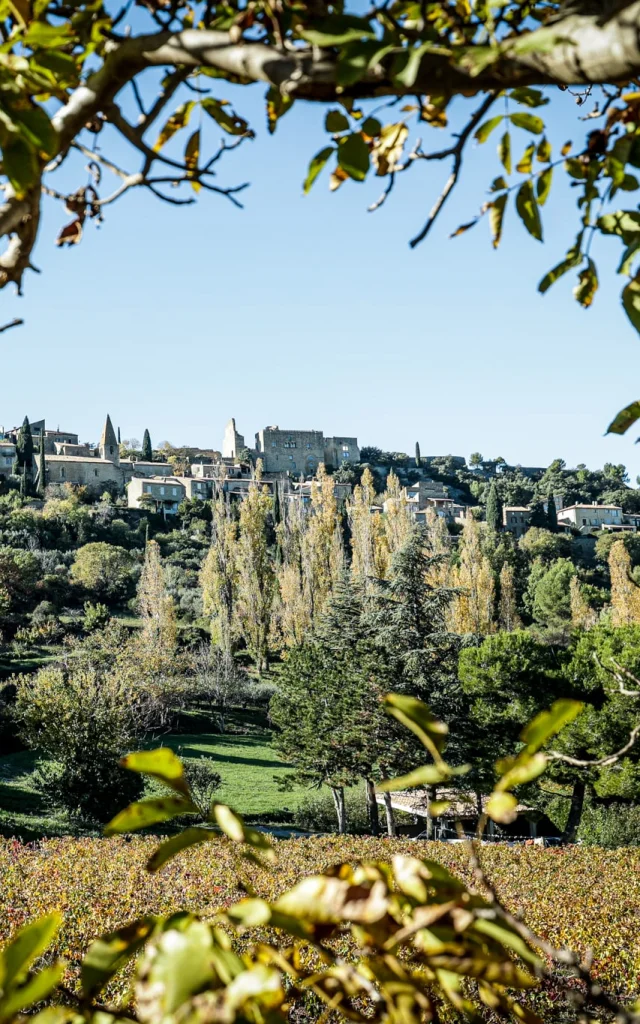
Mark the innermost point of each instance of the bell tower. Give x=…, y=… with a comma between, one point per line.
x=109, y=449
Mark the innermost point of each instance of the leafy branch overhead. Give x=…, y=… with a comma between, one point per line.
x=70, y=77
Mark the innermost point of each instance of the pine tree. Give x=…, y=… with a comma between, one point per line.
x=552, y=515
x=147, y=449
x=418, y=459
x=494, y=509
x=538, y=516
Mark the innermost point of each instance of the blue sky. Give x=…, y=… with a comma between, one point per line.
x=313, y=313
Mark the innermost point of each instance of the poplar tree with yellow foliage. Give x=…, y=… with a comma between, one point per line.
x=368, y=547
x=472, y=611
x=219, y=574
x=625, y=594
x=397, y=517
x=509, y=618
x=256, y=587
x=158, y=635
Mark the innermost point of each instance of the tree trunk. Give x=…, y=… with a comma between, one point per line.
x=428, y=825
x=341, y=810
x=372, y=808
x=388, y=810
x=575, y=812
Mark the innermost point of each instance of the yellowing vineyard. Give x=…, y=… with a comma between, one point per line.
x=584, y=897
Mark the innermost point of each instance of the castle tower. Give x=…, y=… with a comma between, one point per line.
x=233, y=441
x=108, y=443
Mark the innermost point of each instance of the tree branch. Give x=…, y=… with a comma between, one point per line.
x=599, y=762
x=457, y=152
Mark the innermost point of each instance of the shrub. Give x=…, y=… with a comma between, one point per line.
x=611, y=826
x=317, y=812
x=95, y=616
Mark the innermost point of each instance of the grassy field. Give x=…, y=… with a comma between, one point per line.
x=247, y=762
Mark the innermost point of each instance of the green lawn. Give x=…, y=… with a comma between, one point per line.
x=248, y=764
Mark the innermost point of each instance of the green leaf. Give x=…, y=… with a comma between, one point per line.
x=179, y=965
x=227, y=119
x=257, y=913
x=529, y=97
x=628, y=256
x=631, y=305
x=353, y=156
x=629, y=183
x=278, y=104
x=498, y=184
x=179, y=119
x=149, y=812
x=574, y=259
x=335, y=121
x=108, y=954
x=408, y=74
x=426, y=775
x=548, y=723
x=504, y=152
x=525, y=162
x=36, y=988
x=356, y=58
x=502, y=807
x=37, y=130
x=30, y=943
x=20, y=165
x=625, y=223
x=315, y=167
x=371, y=127
x=506, y=937
x=617, y=159
x=625, y=418
x=417, y=717
x=543, y=185
x=524, y=769
x=234, y=827
x=482, y=133
x=188, y=837
x=338, y=29
x=161, y=764
x=49, y=37
x=543, y=153
x=587, y=285
x=191, y=156
x=529, y=122
x=496, y=218
x=575, y=168
x=528, y=212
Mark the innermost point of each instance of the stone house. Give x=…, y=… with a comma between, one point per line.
x=164, y=493
x=7, y=458
x=516, y=519
x=587, y=518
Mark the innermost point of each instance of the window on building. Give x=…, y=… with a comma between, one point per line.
x=274, y=444
x=95, y=472
x=345, y=455
x=62, y=472
x=162, y=490
x=174, y=490
x=584, y=522
x=307, y=445
x=291, y=457
x=345, y=447
x=110, y=449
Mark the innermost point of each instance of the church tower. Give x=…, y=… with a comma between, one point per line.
x=108, y=443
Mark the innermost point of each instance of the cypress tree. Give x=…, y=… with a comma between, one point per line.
x=119, y=441
x=23, y=464
x=147, y=450
x=494, y=508
x=552, y=515
x=418, y=462
x=42, y=468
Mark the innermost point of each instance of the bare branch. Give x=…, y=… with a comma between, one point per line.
x=16, y=322
x=457, y=152
x=600, y=762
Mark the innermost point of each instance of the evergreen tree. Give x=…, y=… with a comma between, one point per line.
x=552, y=515
x=23, y=464
x=538, y=516
x=42, y=468
x=147, y=450
x=418, y=460
x=119, y=441
x=494, y=508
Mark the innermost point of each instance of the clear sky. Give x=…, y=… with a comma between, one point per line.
x=312, y=313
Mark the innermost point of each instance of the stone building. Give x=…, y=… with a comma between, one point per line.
x=297, y=452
